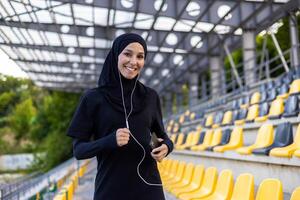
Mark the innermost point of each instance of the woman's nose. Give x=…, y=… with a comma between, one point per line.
x=133, y=60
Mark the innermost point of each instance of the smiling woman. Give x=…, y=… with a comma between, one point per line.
x=9, y=67
x=121, y=115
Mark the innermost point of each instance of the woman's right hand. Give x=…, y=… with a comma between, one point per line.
x=122, y=136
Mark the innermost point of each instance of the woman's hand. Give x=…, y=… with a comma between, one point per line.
x=160, y=152
x=122, y=136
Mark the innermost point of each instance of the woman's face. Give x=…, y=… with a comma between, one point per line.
x=131, y=60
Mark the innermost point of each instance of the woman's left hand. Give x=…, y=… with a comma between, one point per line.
x=160, y=152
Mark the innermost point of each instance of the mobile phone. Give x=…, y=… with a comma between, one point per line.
x=154, y=143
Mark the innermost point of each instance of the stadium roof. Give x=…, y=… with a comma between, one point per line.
x=62, y=44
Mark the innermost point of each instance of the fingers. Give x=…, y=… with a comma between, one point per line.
x=122, y=136
x=160, y=152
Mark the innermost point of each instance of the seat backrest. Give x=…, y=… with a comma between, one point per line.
x=243, y=187
x=216, y=138
x=255, y=98
x=272, y=93
x=253, y=112
x=291, y=105
x=173, y=168
x=180, y=139
x=263, y=96
x=208, y=137
x=209, y=120
x=181, y=119
x=270, y=84
x=201, y=138
x=235, y=115
x=198, y=175
x=277, y=107
x=189, y=138
x=218, y=117
x=195, y=138
x=284, y=134
x=210, y=179
x=270, y=189
x=173, y=137
x=242, y=114
x=284, y=88
x=192, y=116
x=265, y=135
x=295, y=87
x=296, y=194
x=225, y=136
x=297, y=137
x=236, y=138
x=180, y=170
x=263, y=109
x=227, y=119
x=188, y=172
x=224, y=184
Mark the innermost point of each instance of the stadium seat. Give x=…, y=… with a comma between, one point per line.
x=264, y=138
x=263, y=112
x=207, y=186
x=186, y=178
x=272, y=94
x=288, y=150
x=224, y=140
x=295, y=87
x=241, y=116
x=194, y=138
x=224, y=187
x=296, y=194
x=277, y=108
x=243, y=187
x=218, y=119
x=283, y=137
x=194, y=184
x=244, y=102
x=291, y=107
x=255, y=98
x=209, y=120
x=180, y=139
x=252, y=113
x=227, y=119
x=188, y=140
x=270, y=189
x=206, y=141
x=200, y=140
x=171, y=172
x=236, y=141
x=216, y=139
x=192, y=116
x=263, y=96
x=178, y=175
x=283, y=91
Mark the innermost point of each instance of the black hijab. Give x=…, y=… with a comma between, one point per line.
x=109, y=80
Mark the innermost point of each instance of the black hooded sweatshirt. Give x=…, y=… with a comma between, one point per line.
x=100, y=113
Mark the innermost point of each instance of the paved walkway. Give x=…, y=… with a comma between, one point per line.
x=85, y=189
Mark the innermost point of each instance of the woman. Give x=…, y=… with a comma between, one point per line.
x=120, y=115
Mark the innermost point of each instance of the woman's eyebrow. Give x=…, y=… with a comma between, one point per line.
x=129, y=50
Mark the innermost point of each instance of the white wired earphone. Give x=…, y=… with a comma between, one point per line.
x=127, y=126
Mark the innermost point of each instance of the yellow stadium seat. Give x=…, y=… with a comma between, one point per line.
x=255, y=98
x=207, y=186
x=243, y=187
x=276, y=109
x=236, y=141
x=194, y=184
x=189, y=139
x=216, y=139
x=296, y=194
x=194, y=139
x=178, y=175
x=251, y=115
x=181, y=119
x=173, y=137
x=295, y=87
x=171, y=173
x=180, y=139
x=227, y=118
x=270, y=189
x=192, y=116
x=165, y=168
x=206, y=141
x=290, y=149
x=186, y=178
x=209, y=121
x=223, y=189
x=264, y=138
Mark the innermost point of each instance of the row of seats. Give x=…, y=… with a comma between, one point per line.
x=194, y=182
x=279, y=142
x=248, y=108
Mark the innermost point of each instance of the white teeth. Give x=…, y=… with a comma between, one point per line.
x=131, y=69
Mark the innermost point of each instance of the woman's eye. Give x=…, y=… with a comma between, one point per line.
x=141, y=57
x=127, y=54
